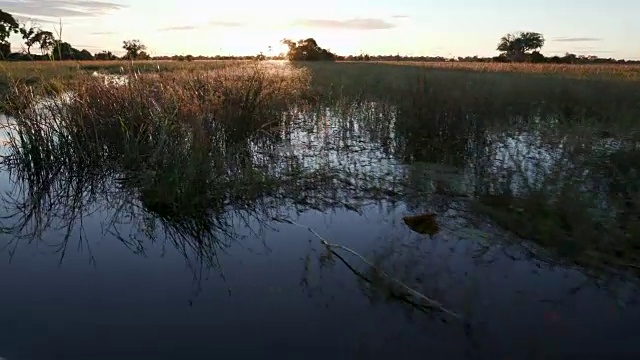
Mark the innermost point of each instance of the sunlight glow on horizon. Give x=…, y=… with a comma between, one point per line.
x=408, y=27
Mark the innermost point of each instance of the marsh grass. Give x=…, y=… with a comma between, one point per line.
x=170, y=134
x=55, y=75
x=542, y=150
x=568, y=195
x=188, y=157
x=152, y=112
x=617, y=71
x=191, y=143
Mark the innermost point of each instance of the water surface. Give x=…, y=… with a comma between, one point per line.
x=95, y=267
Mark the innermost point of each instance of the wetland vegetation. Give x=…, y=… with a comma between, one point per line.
x=366, y=209
x=484, y=166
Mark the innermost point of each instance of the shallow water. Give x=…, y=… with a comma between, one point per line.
x=126, y=283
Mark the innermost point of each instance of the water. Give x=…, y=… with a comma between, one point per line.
x=110, y=276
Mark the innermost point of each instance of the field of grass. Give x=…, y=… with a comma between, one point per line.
x=549, y=151
x=618, y=71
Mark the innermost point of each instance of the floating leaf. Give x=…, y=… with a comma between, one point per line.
x=423, y=224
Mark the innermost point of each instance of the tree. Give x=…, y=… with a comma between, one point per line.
x=143, y=56
x=64, y=51
x=46, y=41
x=307, y=50
x=133, y=48
x=106, y=55
x=515, y=46
x=8, y=25
x=27, y=35
x=85, y=55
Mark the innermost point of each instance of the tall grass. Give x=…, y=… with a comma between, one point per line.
x=611, y=71
x=179, y=153
x=153, y=110
x=189, y=143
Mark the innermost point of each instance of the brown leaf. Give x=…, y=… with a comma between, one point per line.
x=422, y=224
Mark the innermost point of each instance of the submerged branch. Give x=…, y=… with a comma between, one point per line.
x=331, y=246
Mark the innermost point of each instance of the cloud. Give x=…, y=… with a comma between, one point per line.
x=103, y=33
x=222, y=23
x=60, y=8
x=213, y=23
x=400, y=16
x=351, y=24
x=24, y=19
x=576, y=39
x=179, y=28
x=87, y=47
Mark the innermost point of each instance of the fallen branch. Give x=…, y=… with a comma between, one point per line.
x=431, y=303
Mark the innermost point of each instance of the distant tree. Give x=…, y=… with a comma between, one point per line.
x=8, y=25
x=143, y=56
x=46, y=41
x=28, y=35
x=569, y=58
x=33, y=35
x=516, y=46
x=536, y=57
x=307, y=50
x=105, y=56
x=64, y=51
x=134, y=48
x=85, y=55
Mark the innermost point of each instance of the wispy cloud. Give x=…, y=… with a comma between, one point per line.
x=87, y=47
x=212, y=23
x=400, y=16
x=60, y=8
x=351, y=24
x=179, y=28
x=577, y=39
x=222, y=23
x=32, y=19
x=103, y=33
x=579, y=51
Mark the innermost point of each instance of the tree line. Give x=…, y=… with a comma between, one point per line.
x=516, y=47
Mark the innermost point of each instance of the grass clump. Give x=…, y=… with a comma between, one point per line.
x=149, y=111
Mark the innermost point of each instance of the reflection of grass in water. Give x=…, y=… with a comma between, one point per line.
x=591, y=221
x=458, y=117
x=194, y=158
x=179, y=144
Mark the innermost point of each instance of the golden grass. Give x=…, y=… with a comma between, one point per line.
x=619, y=71
x=49, y=69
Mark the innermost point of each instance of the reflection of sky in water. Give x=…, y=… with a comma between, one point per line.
x=156, y=303
x=325, y=141
x=130, y=305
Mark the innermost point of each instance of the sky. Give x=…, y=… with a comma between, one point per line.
x=446, y=28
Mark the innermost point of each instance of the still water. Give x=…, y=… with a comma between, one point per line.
x=113, y=279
